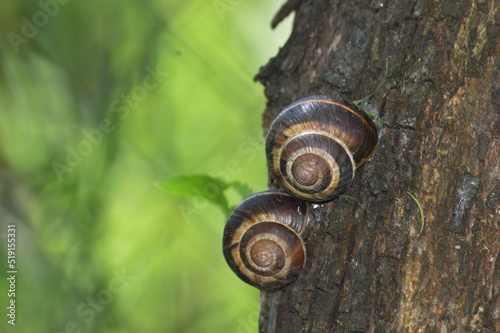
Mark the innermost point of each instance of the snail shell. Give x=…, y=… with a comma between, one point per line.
x=315, y=145
x=262, y=240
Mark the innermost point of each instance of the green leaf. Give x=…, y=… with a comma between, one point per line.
x=190, y=185
x=204, y=186
x=358, y=102
x=243, y=189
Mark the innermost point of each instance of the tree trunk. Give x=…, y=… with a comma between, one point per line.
x=373, y=265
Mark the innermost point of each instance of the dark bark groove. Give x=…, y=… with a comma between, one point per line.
x=372, y=266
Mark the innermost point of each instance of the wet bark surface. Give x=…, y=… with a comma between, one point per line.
x=373, y=265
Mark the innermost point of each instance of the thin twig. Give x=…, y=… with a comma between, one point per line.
x=421, y=212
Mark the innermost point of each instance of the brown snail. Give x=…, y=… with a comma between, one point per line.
x=315, y=145
x=262, y=240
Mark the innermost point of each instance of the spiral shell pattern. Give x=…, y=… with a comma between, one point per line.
x=262, y=240
x=316, y=144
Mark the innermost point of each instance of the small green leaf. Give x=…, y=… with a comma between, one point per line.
x=190, y=185
x=204, y=186
x=243, y=189
x=358, y=102
x=371, y=115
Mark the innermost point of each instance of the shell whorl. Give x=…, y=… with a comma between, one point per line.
x=315, y=145
x=262, y=240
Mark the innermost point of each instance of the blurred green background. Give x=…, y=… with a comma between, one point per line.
x=99, y=100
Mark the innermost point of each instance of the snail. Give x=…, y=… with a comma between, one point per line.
x=262, y=240
x=313, y=148
x=315, y=145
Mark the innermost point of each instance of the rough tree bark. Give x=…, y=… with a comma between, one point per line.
x=370, y=266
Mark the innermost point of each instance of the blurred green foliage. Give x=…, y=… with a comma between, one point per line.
x=100, y=100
